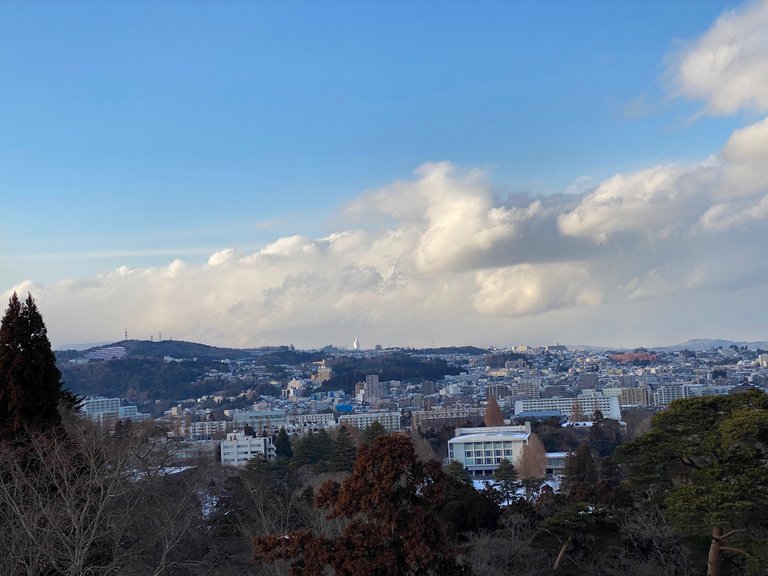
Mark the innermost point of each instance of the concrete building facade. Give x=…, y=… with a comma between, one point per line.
x=237, y=449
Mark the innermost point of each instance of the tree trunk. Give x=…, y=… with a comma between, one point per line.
x=567, y=545
x=713, y=559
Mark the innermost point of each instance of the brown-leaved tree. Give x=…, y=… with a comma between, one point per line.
x=389, y=505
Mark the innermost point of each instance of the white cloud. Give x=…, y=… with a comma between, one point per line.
x=454, y=216
x=727, y=67
x=442, y=258
x=454, y=264
x=532, y=289
x=652, y=199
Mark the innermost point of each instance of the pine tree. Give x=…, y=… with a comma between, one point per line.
x=372, y=432
x=283, y=444
x=580, y=475
x=704, y=461
x=30, y=382
x=506, y=481
x=343, y=452
x=455, y=469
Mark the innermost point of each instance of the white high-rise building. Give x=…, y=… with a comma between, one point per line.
x=238, y=448
x=107, y=411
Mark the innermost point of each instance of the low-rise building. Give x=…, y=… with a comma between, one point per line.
x=107, y=411
x=207, y=429
x=480, y=450
x=389, y=420
x=237, y=449
x=608, y=405
x=316, y=420
x=260, y=420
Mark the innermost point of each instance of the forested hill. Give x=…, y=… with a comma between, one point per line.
x=173, y=348
x=145, y=375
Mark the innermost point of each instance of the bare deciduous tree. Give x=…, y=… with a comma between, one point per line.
x=77, y=501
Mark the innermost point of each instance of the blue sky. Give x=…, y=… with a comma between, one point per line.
x=136, y=135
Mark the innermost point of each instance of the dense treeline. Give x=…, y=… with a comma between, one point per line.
x=395, y=366
x=499, y=359
x=142, y=379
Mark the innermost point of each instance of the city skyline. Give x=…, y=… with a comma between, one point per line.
x=439, y=174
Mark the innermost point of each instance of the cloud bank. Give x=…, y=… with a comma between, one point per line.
x=668, y=252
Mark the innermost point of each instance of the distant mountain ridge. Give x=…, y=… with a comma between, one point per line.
x=694, y=344
x=702, y=344
x=186, y=350
x=179, y=349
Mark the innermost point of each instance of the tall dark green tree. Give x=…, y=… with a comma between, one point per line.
x=604, y=435
x=343, y=452
x=283, y=444
x=580, y=475
x=372, y=432
x=30, y=382
x=507, y=481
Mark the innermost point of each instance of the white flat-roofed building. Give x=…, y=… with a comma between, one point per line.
x=237, y=449
x=100, y=404
x=389, y=420
x=107, y=411
x=556, y=463
x=480, y=450
x=608, y=405
x=259, y=420
x=322, y=420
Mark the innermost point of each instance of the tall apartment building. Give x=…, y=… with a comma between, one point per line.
x=528, y=387
x=665, y=394
x=588, y=380
x=635, y=397
x=374, y=389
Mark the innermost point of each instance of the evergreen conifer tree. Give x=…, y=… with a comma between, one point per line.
x=507, y=483
x=30, y=382
x=283, y=444
x=343, y=452
x=372, y=432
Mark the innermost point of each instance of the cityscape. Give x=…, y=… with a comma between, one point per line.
x=527, y=383
x=383, y=288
